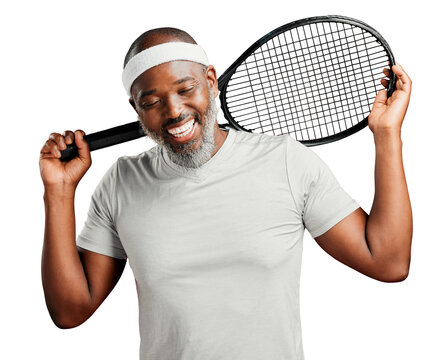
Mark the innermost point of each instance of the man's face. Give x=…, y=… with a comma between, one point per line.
x=174, y=102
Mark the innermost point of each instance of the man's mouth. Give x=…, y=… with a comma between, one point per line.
x=183, y=130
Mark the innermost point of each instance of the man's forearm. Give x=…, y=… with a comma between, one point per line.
x=65, y=285
x=389, y=226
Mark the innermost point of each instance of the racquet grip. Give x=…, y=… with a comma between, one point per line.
x=105, y=138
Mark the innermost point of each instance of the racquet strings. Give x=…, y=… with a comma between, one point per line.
x=312, y=81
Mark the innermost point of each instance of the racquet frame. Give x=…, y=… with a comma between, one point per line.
x=224, y=79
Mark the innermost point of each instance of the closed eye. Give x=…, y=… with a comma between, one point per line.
x=150, y=104
x=186, y=90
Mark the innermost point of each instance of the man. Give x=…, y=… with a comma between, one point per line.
x=212, y=221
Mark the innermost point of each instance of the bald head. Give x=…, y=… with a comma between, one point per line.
x=155, y=37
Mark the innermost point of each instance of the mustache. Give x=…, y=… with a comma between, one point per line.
x=180, y=118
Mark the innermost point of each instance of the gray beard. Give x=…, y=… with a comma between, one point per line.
x=185, y=156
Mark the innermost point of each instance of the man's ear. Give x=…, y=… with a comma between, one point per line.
x=211, y=77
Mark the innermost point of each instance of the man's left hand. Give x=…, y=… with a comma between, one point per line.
x=388, y=113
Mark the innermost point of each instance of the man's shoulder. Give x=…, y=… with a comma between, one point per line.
x=142, y=158
x=259, y=139
x=133, y=163
x=297, y=155
x=266, y=142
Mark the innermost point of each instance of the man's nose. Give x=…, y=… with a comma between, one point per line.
x=173, y=107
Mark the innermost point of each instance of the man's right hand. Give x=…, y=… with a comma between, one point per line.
x=55, y=172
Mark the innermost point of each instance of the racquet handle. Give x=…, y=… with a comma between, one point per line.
x=109, y=137
x=105, y=138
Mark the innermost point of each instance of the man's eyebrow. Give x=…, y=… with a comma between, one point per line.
x=187, y=78
x=142, y=94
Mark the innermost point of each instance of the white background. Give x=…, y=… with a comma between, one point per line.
x=60, y=69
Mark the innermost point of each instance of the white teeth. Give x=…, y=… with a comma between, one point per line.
x=182, y=130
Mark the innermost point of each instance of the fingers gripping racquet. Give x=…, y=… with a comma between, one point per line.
x=315, y=79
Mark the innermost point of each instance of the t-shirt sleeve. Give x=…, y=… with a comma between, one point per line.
x=99, y=233
x=319, y=197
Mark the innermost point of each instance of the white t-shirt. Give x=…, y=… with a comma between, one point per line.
x=216, y=251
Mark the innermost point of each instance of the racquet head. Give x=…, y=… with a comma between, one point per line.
x=315, y=79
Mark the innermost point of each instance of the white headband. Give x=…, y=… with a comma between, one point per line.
x=160, y=54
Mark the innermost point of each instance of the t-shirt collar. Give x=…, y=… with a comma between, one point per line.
x=206, y=168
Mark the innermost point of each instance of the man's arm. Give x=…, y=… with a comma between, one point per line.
x=75, y=283
x=379, y=244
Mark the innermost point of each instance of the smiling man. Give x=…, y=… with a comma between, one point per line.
x=212, y=221
x=175, y=100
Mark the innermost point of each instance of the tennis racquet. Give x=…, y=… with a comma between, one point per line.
x=315, y=79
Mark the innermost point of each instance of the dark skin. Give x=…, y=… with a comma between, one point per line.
x=169, y=90
x=76, y=283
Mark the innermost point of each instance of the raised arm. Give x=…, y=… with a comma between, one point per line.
x=379, y=244
x=74, y=283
